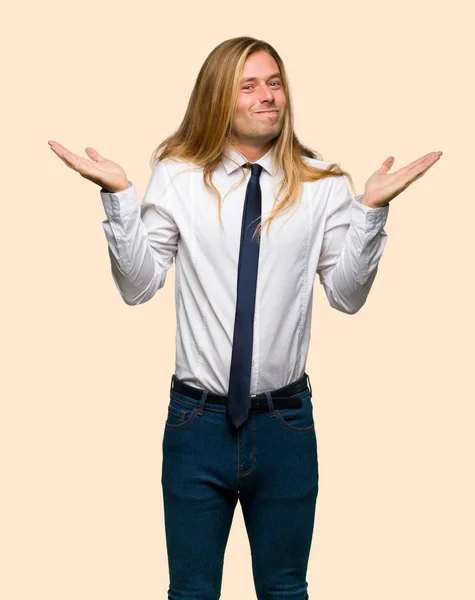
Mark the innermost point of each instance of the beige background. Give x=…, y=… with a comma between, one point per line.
x=85, y=377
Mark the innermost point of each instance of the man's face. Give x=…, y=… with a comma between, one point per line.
x=263, y=93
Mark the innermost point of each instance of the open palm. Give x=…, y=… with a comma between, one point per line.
x=100, y=170
x=382, y=186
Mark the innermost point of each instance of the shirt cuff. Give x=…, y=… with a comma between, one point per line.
x=118, y=204
x=366, y=217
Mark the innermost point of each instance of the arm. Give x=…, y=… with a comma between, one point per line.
x=353, y=243
x=142, y=239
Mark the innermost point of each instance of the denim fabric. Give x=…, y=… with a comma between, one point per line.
x=269, y=464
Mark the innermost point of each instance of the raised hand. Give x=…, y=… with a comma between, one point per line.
x=102, y=171
x=382, y=186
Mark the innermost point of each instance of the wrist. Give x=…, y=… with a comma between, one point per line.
x=369, y=205
x=121, y=188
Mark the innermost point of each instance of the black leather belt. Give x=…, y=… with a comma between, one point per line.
x=280, y=397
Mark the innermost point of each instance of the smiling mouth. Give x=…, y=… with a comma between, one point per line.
x=267, y=112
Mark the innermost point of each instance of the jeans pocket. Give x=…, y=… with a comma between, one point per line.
x=180, y=414
x=299, y=418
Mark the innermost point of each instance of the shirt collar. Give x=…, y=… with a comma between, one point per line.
x=231, y=153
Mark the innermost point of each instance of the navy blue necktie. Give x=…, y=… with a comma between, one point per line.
x=241, y=359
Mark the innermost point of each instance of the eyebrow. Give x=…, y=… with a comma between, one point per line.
x=255, y=78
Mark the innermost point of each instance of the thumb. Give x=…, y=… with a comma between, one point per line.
x=93, y=154
x=387, y=164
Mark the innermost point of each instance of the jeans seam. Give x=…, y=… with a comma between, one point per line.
x=253, y=463
x=190, y=419
x=297, y=429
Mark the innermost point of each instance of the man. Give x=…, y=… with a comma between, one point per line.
x=240, y=416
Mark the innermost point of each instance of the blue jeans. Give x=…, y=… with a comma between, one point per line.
x=269, y=464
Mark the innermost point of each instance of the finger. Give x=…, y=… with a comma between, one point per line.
x=427, y=164
x=67, y=155
x=428, y=160
x=64, y=154
x=414, y=167
x=55, y=145
x=63, y=151
x=421, y=160
x=60, y=152
x=73, y=160
x=94, y=155
x=418, y=162
x=421, y=170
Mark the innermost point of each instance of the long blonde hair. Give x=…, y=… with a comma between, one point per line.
x=207, y=126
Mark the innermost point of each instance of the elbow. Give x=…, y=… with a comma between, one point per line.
x=352, y=297
x=137, y=298
x=348, y=305
x=133, y=296
x=353, y=310
x=347, y=309
x=132, y=301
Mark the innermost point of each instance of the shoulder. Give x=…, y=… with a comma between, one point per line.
x=324, y=186
x=337, y=182
x=173, y=166
x=315, y=162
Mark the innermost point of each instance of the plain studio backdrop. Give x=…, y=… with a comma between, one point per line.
x=85, y=377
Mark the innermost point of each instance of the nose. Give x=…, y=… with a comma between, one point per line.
x=266, y=94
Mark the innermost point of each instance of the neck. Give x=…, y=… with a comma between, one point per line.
x=252, y=153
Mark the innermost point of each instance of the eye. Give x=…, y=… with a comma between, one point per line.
x=248, y=86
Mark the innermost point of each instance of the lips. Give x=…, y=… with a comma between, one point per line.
x=267, y=112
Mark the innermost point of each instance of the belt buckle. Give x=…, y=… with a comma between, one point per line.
x=261, y=402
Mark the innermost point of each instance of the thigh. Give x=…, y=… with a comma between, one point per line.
x=278, y=499
x=198, y=503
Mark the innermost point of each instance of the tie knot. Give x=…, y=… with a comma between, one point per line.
x=256, y=169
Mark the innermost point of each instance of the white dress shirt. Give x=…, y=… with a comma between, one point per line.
x=329, y=233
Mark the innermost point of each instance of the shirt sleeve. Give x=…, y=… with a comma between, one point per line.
x=142, y=239
x=353, y=243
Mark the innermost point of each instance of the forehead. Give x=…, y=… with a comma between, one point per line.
x=260, y=65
